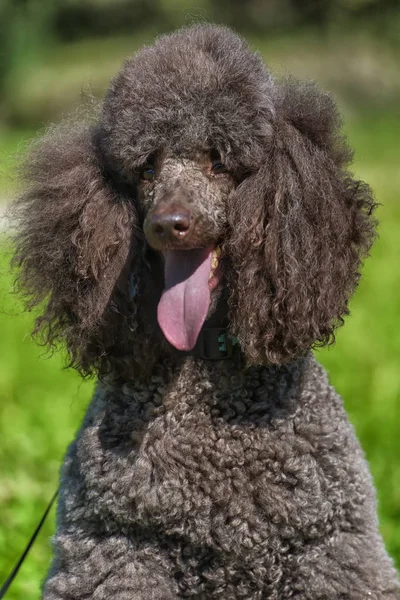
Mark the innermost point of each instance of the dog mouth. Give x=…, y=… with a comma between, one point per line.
x=190, y=278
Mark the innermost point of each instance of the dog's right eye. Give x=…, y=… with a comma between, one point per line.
x=147, y=173
x=218, y=167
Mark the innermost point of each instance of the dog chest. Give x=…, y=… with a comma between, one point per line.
x=226, y=470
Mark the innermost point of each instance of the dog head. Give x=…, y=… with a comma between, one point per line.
x=203, y=183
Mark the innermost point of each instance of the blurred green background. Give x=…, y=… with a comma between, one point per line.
x=55, y=56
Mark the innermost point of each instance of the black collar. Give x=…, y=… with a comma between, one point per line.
x=215, y=343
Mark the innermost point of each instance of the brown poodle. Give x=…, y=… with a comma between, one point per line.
x=189, y=247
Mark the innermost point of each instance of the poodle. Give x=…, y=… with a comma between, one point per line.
x=189, y=245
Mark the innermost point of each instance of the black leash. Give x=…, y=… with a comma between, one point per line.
x=17, y=567
x=214, y=343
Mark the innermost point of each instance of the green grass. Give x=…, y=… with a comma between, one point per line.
x=12, y=143
x=358, y=68
x=40, y=408
x=41, y=404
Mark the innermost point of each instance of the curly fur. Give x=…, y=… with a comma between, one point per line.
x=234, y=479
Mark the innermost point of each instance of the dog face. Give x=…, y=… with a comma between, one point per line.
x=201, y=175
x=185, y=201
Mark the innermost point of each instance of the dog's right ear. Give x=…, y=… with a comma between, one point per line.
x=74, y=235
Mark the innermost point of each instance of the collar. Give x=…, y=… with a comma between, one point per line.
x=215, y=343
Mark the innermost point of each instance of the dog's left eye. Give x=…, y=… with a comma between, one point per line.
x=147, y=173
x=218, y=167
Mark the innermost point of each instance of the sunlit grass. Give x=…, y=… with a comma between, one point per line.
x=12, y=144
x=41, y=404
x=40, y=408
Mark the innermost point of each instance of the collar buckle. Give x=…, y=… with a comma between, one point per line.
x=214, y=343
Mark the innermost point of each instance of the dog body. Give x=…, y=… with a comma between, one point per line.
x=192, y=245
x=209, y=481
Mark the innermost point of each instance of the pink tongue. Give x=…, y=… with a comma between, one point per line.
x=185, y=301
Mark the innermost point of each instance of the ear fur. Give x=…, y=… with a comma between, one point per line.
x=74, y=236
x=300, y=228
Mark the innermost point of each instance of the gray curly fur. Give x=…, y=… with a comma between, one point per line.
x=193, y=479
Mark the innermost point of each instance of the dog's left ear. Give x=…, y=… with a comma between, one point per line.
x=299, y=229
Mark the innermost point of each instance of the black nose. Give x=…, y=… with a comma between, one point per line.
x=164, y=227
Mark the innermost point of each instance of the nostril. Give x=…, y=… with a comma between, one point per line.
x=158, y=229
x=182, y=225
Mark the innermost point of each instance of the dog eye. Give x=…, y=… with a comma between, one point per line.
x=218, y=167
x=148, y=173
